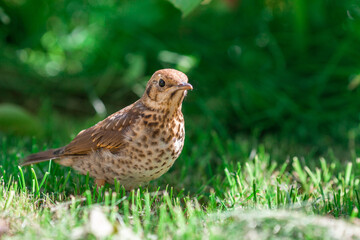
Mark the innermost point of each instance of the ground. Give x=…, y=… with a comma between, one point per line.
x=234, y=189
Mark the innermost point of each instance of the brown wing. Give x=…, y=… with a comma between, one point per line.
x=111, y=133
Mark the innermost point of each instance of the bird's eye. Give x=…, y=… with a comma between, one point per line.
x=161, y=83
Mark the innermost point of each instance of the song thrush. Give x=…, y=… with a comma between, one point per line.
x=134, y=145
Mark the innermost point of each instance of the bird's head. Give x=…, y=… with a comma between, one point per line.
x=166, y=89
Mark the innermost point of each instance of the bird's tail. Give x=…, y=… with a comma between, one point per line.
x=43, y=156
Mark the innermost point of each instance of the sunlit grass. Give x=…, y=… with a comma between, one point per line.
x=223, y=197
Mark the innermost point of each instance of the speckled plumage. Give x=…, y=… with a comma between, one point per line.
x=135, y=145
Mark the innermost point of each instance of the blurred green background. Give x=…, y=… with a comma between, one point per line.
x=289, y=69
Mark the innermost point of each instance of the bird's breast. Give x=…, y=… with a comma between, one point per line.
x=157, y=144
x=157, y=134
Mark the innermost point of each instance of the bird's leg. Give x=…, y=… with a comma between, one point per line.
x=99, y=183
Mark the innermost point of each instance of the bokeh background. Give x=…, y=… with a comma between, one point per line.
x=289, y=69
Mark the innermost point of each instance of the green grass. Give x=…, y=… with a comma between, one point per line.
x=228, y=191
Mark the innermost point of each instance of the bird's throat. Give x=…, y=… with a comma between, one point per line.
x=171, y=105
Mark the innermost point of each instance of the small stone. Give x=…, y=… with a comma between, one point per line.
x=99, y=225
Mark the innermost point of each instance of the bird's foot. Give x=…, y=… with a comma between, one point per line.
x=99, y=183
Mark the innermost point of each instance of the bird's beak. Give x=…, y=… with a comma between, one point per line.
x=185, y=86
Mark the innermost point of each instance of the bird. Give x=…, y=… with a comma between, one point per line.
x=134, y=145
